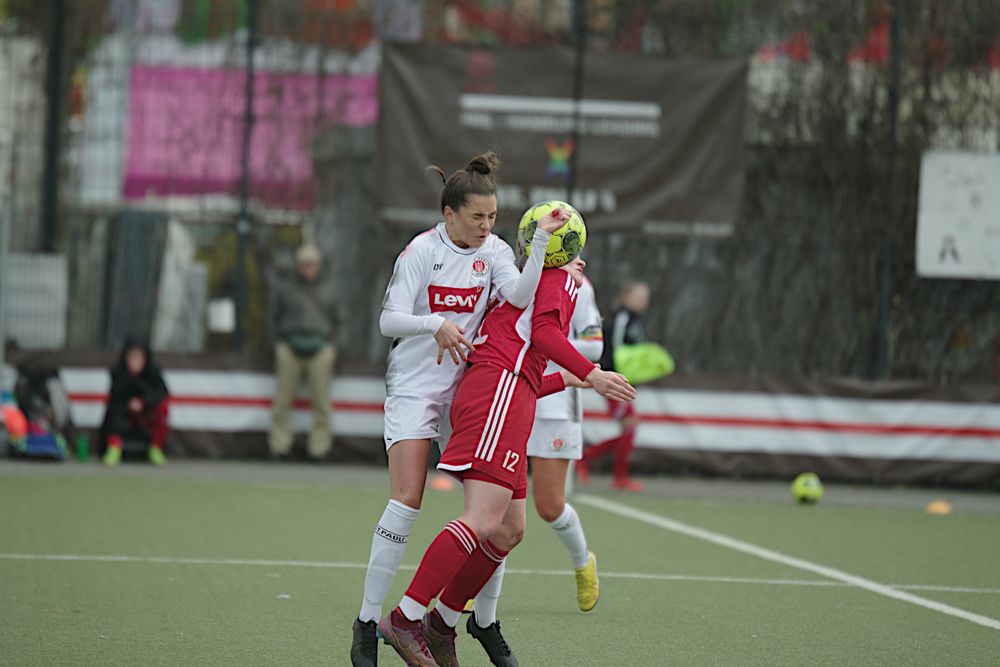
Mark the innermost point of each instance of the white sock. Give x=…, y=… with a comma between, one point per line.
x=570, y=533
x=448, y=615
x=388, y=544
x=486, y=601
x=412, y=609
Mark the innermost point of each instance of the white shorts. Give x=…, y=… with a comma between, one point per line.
x=556, y=439
x=413, y=418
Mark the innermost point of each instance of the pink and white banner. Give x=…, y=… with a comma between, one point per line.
x=185, y=130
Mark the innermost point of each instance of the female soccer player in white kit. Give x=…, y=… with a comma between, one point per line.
x=439, y=290
x=556, y=439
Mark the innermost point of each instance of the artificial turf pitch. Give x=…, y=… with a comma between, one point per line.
x=244, y=564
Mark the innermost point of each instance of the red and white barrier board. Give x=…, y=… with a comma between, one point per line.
x=232, y=401
x=815, y=425
x=681, y=419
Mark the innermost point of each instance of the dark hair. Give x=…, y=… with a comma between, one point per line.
x=479, y=177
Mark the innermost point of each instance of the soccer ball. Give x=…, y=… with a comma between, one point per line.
x=565, y=245
x=807, y=488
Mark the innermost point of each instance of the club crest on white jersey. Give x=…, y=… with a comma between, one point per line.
x=480, y=266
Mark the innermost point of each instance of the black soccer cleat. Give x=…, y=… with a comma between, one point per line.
x=364, y=648
x=494, y=644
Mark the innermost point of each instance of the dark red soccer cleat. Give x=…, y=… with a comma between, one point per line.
x=407, y=637
x=440, y=638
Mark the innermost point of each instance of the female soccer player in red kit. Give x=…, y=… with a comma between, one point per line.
x=440, y=287
x=492, y=417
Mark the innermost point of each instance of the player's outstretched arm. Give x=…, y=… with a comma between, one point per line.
x=611, y=385
x=519, y=291
x=590, y=348
x=551, y=342
x=586, y=321
x=553, y=383
x=570, y=380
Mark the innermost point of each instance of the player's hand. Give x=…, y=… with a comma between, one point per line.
x=554, y=220
x=571, y=380
x=135, y=404
x=611, y=385
x=451, y=337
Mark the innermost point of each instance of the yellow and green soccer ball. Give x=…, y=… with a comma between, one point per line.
x=565, y=245
x=807, y=488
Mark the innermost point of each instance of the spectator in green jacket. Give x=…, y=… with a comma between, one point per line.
x=303, y=321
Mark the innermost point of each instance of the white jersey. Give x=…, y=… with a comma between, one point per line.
x=585, y=334
x=433, y=276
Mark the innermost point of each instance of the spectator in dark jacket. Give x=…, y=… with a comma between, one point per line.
x=626, y=329
x=137, y=405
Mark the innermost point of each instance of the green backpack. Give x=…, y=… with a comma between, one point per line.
x=644, y=362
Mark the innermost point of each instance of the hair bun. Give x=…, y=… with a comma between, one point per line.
x=484, y=164
x=478, y=177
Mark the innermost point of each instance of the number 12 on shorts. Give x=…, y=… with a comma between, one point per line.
x=510, y=460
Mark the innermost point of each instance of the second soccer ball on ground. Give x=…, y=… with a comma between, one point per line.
x=807, y=489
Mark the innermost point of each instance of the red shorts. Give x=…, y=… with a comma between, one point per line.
x=491, y=418
x=619, y=410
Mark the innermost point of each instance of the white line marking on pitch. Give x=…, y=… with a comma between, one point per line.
x=767, y=554
x=336, y=565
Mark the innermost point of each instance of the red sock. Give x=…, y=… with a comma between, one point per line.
x=623, y=453
x=467, y=583
x=600, y=449
x=115, y=442
x=444, y=557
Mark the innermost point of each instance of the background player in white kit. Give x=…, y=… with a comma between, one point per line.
x=439, y=290
x=557, y=438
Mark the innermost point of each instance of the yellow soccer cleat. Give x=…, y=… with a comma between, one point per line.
x=469, y=606
x=113, y=456
x=588, y=587
x=156, y=456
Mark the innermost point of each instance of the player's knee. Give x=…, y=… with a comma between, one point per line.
x=512, y=531
x=508, y=536
x=409, y=497
x=485, y=527
x=548, y=509
x=514, y=537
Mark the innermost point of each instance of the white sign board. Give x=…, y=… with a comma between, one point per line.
x=36, y=293
x=958, y=218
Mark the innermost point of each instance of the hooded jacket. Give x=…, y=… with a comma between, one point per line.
x=147, y=385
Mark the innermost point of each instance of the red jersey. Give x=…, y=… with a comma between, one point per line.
x=505, y=337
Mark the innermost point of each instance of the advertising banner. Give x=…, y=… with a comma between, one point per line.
x=658, y=142
x=185, y=134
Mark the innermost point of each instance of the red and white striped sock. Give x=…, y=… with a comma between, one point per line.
x=446, y=555
x=468, y=581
